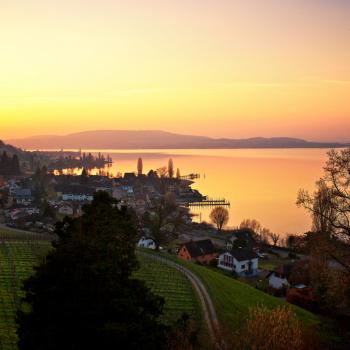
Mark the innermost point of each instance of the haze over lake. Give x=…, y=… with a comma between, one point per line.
x=261, y=184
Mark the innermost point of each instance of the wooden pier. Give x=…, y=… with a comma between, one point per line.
x=190, y=177
x=210, y=202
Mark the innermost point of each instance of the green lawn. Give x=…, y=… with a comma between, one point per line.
x=17, y=259
x=173, y=286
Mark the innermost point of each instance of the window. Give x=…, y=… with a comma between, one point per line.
x=243, y=267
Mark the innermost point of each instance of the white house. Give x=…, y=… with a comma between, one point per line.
x=279, y=278
x=145, y=242
x=77, y=197
x=276, y=281
x=244, y=262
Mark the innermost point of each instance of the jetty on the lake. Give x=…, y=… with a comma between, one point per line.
x=190, y=177
x=209, y=202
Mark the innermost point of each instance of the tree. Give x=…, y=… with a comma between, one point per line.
x=171, y=168
x=83, y=296
x=47, y=210
x=163, y=219
x=323, y=209
x=152, y=174
x=251, y=224
x=260, y=233
x=15, y=165
x=162, y=172
x=329, y=205
x=184, y=335
x=291, y=242
x=274, y=238
x=139, y=167
x=219, y=216
x=178, y=175
x=9, y=165
x=84, y=177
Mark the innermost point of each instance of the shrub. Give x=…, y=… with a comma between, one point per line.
x=304, y=298
x=265, y=329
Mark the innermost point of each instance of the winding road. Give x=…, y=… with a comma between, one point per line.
x=204, y=297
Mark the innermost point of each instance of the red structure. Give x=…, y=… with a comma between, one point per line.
x=200, y=251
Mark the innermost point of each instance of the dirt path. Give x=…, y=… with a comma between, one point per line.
x=204, y=297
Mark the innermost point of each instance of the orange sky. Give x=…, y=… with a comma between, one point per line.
x=212, y=67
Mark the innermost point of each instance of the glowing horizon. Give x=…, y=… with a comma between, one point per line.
x=216, y=68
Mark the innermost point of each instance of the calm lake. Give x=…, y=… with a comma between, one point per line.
x=261, y=184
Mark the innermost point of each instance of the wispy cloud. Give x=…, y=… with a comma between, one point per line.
x=338, y=82
x=251, y=84
x=144, y=91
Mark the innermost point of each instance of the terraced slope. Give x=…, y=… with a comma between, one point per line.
x=173, y=286
x=17, y=259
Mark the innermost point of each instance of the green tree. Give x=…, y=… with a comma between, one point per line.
x=83, y=295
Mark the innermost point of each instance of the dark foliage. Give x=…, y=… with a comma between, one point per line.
x=83, y=296
x=9, y=165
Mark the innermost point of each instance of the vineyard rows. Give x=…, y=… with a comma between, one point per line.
x=17, y=259
x=173, y=286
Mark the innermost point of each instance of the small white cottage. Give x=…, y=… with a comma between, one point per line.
x=244, y=262
x=146, y=242
x=279, y=278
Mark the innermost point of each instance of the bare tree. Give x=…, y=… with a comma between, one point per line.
x=162, y=172
x=139, y=167
x=329, y=205
x=163, y=219
x=171, y=168
x=261, y=233
x=219, y=216
x=251, y=224
x=274, y=238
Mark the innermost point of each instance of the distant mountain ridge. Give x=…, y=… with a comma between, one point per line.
x=155, y=139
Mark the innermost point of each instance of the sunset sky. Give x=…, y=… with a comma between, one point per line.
x=232, y=68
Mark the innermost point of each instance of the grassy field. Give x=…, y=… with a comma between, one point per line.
x=173, y=286
x=17, y=259
x=233, y=299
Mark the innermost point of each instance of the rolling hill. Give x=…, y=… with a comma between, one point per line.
x=155, y=139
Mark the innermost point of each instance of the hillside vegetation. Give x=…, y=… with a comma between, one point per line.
x=233, y=299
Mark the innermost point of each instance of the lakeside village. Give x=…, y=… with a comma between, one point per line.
x=35, y=200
